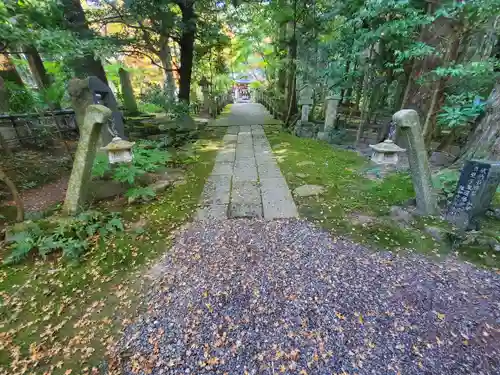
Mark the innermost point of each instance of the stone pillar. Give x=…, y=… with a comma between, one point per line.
x=332, y=104
x=305, y=113
x=409, y=124
x=127, y=91
x=95, y=117
x=306, y=100
x=206, y=99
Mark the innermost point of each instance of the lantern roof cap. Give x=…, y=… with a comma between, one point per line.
x=387, y=146
x=118, y=144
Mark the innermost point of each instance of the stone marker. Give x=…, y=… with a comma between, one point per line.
x=92, y=90
x=306, y=100
x=127, y=91
x=476, y=188
x=95, y=117
x=205, y=89
x=409, y=125
x=332, y=103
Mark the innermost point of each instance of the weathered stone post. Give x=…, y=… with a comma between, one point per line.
x=408, y=122
x=332, y=103
x=95, y=117
x=306, y=100
x=127, y=91
x=204, y=84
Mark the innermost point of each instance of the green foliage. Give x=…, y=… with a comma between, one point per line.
x=72, y=237
x=144, y=193
x=148, y=157
x=21, y=98
x=446, y=181
x=459, y=110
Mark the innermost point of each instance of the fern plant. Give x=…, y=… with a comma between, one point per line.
x=72, y=238
x=148, y=157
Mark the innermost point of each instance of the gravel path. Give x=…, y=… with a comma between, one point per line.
x=269, y=297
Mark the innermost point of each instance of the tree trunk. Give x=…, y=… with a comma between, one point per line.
x=291, y=79
x=437, y=95
x=484, y=143
x=76, y=22
x=37, y=68
x=15, y=195
x=187, y=49
x=166, y=63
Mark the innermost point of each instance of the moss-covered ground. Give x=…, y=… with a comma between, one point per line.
x=58, y=317
x=358, y=207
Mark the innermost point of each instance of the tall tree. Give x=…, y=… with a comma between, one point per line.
x=75, y=21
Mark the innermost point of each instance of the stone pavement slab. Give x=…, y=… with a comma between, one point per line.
x=277, y=201
x=245, y=170
x=217, y=190
x=246, y=181
x=223, y=168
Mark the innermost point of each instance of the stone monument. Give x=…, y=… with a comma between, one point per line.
x=306, y=101
x=409, y=125
x=205, y=90
x=476, y=188
x=127, y=91
x=332, y=104
x=96, y=117
x=92, y=90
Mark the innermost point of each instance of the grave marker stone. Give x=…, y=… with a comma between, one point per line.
x=476, y=187
x=92, y=90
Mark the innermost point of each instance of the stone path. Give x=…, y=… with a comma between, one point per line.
x=246, y=180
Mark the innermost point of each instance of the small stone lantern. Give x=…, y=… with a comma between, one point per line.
x=204, y=84
x=386, y=152
x=119, y=151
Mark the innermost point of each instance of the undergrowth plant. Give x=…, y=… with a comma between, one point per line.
x=148, y=157
x=72, y=237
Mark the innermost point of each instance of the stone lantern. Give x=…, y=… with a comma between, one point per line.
x=119, y=151
x=204, y=84
x=386, y=152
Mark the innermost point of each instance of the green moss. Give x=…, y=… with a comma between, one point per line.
x=348, y=192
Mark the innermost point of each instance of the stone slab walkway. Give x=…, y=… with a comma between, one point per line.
x=246, y=181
